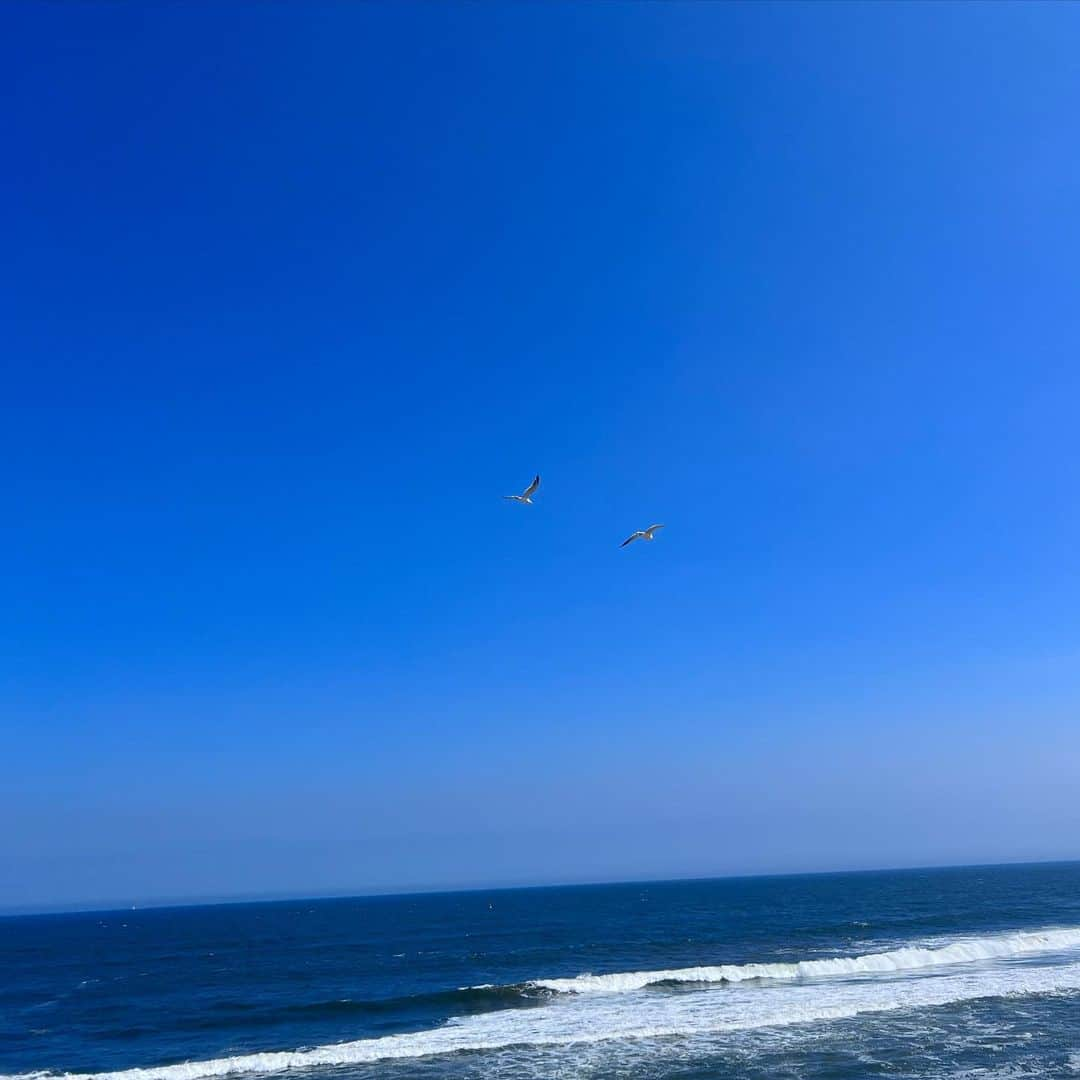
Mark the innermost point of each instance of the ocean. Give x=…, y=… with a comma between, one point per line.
x=970, y=972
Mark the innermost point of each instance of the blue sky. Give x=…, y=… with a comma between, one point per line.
x=295, y=293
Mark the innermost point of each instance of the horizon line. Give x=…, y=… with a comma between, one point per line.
x=110, y=907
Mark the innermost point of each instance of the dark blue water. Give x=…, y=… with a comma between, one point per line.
x=471, y=984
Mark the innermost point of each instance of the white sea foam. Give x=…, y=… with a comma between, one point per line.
x=967, y=950
x=582, y=1019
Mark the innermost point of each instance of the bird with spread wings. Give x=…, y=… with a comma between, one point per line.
x=527, y=494
x=641, y=534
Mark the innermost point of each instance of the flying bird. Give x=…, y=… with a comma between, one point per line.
x=641, y=534
x=527, y=494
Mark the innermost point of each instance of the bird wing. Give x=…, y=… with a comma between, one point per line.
x=532, y=487
x=630, y=539
x=653, y=528
x=511, y=496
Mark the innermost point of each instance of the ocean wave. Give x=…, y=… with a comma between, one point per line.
x=227, y=1015
x=910, y=958
x=576, y=1021
x=570, y=1019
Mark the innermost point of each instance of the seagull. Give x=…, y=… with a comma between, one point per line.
x=641, y=534
x=527, y=494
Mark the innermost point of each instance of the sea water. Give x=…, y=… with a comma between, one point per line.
x=931, y=973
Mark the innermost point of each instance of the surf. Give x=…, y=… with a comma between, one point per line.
x=652, y=1019
x=908, y=958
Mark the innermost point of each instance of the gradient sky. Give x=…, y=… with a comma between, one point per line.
x=294, y=292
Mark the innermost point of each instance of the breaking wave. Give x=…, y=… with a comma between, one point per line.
x=581, y=1018
x=910, y=958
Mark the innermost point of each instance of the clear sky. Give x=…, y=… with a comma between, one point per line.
x=292, y=295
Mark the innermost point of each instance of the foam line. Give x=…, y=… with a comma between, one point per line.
x=581, y=1019
x=896, y=960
